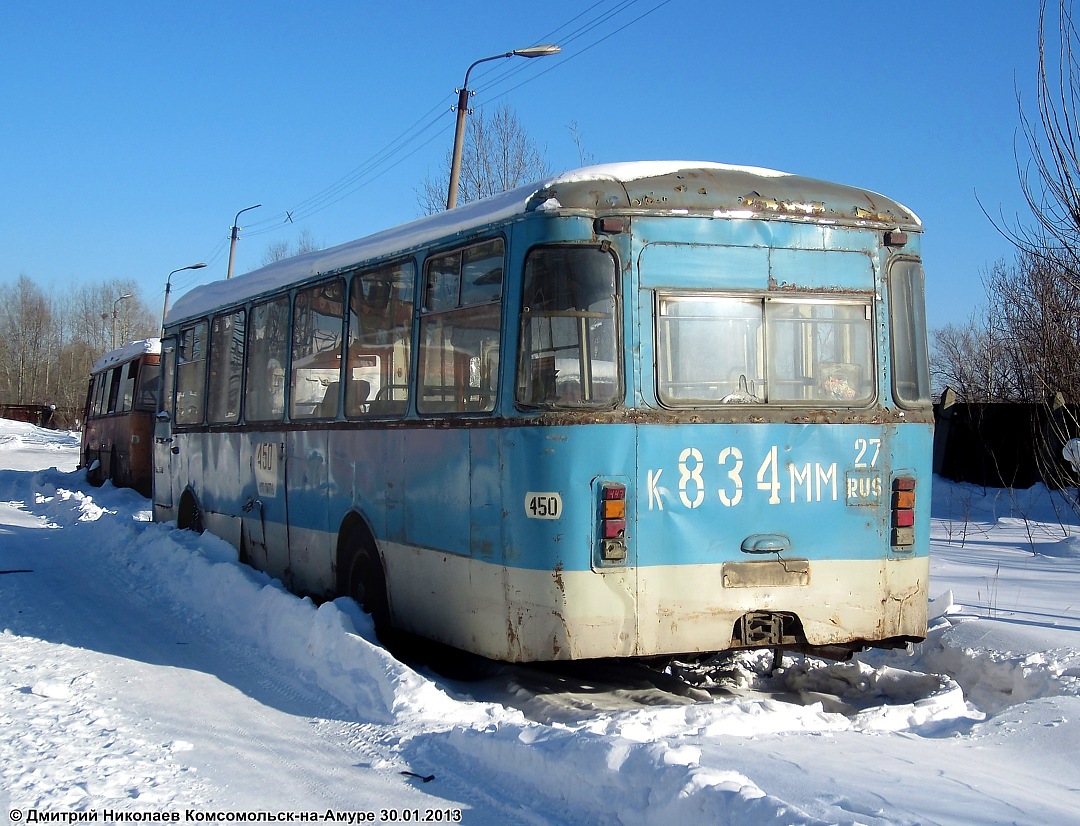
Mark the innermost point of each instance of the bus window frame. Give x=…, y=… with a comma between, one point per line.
x=384, y=401
x=193, y=325
x=277, y=414
x=332, y=387
x=212, y=363
x=748, y=396
x=619, y=385
x=166, y=400
x=916, y=327
x=428, y=315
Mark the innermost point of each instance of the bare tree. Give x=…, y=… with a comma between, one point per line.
x=24, y=330
x=48, y=344
x=1038, y=314
x=1051, y=179
x=585, y=158
x=961, y=359
x=279, y=250
x=1024, y=346
x=497, y=156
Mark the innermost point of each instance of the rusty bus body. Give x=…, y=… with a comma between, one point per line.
x=118, y=430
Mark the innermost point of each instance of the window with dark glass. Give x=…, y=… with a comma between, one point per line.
x=226, y=367
x=267, y=343
x=718, y=349
x=168, y=351
x=100, y=394
x=114, y=389
x=907, y=311
x=459, y=330
x=127, y=385
x=569, y=329
x=380, y=341
x=191, y=375
x=316, y=351
x=149, y=386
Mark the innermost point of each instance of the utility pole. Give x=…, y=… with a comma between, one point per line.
x=235, y=233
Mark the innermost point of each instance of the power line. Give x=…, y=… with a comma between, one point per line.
x=394, y=152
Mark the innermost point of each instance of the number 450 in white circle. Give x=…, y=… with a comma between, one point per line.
x=543, y=505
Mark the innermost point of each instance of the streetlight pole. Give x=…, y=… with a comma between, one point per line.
x=115, y=313
x=235, y=232
x=463, y=108
x=168, y=287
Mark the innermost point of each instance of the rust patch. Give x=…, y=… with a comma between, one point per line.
x=556, y=575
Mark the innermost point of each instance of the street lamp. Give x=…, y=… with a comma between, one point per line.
x=235, y=232
x=168, y=287
x=463, y=108
x=115, y=313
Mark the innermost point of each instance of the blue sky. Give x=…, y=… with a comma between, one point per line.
x=134, y=131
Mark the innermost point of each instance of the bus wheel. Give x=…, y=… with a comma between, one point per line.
x=190, y=517
x=363, y=578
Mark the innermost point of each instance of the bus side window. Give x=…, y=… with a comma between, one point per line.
x=127, y=385
x=191, y=375
x=459, y=331
x=569, y=335
x=316, y=351
x=380, y=337
x=226, y=366
x=168, y=353
x=149, y=382
x=114, y=389
x=100, y=386
x=264, y=388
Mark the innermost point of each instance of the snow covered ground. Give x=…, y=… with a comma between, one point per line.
x=144, y=673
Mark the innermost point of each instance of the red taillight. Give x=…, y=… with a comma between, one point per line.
x=612, y=522
x=614, y=528
x=903, y=511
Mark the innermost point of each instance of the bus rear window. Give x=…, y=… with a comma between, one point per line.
x=720, y=350
x=569, y=334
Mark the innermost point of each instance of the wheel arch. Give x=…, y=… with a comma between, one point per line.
x=354, y=526
x=189, y=514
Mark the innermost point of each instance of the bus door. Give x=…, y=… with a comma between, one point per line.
x=265, y=509
x=310, y=541
x=164, y=446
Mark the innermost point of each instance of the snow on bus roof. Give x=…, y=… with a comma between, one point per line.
x=128, y=351
x=278, y=274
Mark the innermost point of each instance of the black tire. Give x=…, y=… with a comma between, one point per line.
x=361, y=577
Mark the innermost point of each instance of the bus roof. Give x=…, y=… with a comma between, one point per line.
x=126, y=353
x=654, y=187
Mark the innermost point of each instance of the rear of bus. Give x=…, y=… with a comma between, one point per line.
x=764, y=478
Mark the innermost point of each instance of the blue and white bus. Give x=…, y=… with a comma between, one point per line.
x=634, y=410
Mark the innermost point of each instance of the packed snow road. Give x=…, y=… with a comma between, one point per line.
x=143, y=672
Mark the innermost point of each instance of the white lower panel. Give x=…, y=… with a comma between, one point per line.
x=523, y=615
